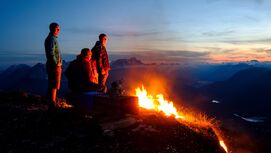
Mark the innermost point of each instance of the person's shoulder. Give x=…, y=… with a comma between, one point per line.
x=73, y=62
x=97, y=44
x=86, y=64
x=50, y=37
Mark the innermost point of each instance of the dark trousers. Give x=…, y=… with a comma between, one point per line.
x=93, y=87
x=103, y=78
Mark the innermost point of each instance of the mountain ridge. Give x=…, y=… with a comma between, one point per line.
x=28, y=127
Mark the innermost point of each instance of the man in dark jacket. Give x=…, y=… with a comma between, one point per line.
x=53, y=64
x=82, y=75
x=100, y=55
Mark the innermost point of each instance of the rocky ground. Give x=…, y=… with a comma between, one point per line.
x=27, y=126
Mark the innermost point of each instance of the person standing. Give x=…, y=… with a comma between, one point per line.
x=100, y=55
x=53, y=64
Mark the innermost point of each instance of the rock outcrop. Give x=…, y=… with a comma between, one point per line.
x=26, y=126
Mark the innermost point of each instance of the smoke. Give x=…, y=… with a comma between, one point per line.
x=132, y=77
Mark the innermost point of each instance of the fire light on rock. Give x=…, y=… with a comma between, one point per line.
x=159, y=104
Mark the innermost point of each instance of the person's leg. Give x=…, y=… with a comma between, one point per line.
x=51, y=98
x=54, y=78
x=53, y=95
x=100, y=77
x=58, y=73
x=103, y=78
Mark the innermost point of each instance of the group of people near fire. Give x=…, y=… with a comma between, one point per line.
x=88, y=72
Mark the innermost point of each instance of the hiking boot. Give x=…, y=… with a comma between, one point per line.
x=61, y=103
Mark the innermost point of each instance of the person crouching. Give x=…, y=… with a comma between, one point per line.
x=82, y=74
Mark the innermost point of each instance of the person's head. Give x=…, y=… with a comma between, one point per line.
x=103, y=39
x=54, y=29
x=86, y=53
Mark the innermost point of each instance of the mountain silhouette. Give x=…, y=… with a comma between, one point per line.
x=247, y=90
x=126, y=62
x=26, y=78
x=218, y=72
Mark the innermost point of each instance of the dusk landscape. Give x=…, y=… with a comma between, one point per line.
x=210, y=58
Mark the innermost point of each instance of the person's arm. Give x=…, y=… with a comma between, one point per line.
x=51, y=44
x=88, y=73
x=96, y=56
x=105, y=61
x=94, y=71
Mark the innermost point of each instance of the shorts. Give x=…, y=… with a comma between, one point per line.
x=54, y=77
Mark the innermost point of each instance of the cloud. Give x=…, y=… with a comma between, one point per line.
x=113, y=32
x=171, y=37
x=116, y=32
x=212, y=1
x=134, y=33
x=266, y=40
x=259, y=2
x=164, y=56
x=215, y=33
x=262, y=50
x=187, y=54
x=251, y=19
x=219, y=50
x=86, y=30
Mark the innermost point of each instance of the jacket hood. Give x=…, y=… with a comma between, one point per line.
x=79, y=57
x=98, y=43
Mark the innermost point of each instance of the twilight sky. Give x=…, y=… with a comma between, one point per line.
x=177, y=30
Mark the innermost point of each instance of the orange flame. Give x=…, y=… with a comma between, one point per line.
x=222, y=144
x=160, y=104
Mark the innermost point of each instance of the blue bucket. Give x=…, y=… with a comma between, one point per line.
x=87, y=99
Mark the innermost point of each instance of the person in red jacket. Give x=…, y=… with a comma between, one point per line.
x=100, y=55
x=82, y=74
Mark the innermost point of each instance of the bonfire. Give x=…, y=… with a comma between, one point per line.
x=159, y=104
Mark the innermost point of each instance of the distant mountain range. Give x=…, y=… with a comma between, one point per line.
x=218, y=72
x=25, y=78
x=126, y=62
x=247, y=90
x=234, y=84
x=33, y=79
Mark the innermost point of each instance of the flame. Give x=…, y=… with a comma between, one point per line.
x=145, y=101
x=160, y=104
x=222, y=144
